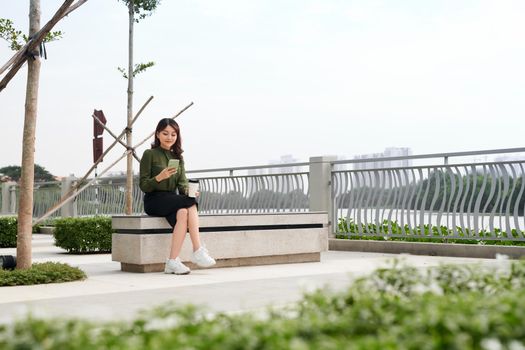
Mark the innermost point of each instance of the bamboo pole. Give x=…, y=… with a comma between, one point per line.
x=21, y=52
x=118, y=139
x=153, y=133
x=71, y=194
x=38, y=37
x=113, y=144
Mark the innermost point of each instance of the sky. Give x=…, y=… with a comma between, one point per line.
x=270, y=78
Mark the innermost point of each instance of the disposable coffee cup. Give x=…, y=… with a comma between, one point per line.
x=193, y=188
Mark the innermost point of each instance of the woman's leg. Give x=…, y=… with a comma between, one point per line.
x=200, y=256
x=179, y=232
x=193, y=227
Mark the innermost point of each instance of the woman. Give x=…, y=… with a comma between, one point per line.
x=159, y=182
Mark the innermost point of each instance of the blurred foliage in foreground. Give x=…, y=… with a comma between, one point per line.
x=448, y=307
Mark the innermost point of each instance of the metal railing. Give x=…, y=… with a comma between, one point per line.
x=107, y=197
x=45, y=195
x=253, y=189
x=254, y=193
x=476, y=200
x=470, y=199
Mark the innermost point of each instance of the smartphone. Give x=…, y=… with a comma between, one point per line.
x=173, y=163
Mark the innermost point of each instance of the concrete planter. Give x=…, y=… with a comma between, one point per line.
x=433, y=249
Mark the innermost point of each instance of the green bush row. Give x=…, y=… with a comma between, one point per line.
x=84, y=235
x=393, y=231
x=449, y=307
x=41, y=273
x=8, y=230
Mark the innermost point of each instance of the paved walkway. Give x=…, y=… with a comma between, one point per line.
x=109, y=294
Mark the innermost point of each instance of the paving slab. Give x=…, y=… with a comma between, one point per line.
x=110, y=294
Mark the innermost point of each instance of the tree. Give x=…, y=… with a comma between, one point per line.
x=25, y=207
x=30, y=52
x=14, y=172
x=17, y=39
x=13, y=65
x=142, y=8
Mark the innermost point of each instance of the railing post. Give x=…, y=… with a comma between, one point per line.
x=69, y=209
x=6, y=197
x=320, y=185
x=12, y=200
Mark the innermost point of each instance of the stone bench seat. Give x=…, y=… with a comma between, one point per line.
x=142, y=243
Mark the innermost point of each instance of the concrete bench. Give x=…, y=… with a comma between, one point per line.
x=142, y=243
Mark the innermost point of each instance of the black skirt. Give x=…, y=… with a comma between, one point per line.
x=166, y=204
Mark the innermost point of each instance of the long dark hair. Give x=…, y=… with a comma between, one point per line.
x=176, y=149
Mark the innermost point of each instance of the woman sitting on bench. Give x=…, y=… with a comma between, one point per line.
x=159, y=182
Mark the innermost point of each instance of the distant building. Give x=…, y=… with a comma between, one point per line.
x=284, y=186
x=5, y=178
x=388, y=152
x=381, y=177
x=510, y=158
x=285, y=159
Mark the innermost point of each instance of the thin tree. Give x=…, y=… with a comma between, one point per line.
x=32, y=50
x=141, y=8
x=25, y=208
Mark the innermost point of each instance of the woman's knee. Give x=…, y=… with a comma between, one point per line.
x=182, y=214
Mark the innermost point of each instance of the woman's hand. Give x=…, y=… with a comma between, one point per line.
x=166, y=173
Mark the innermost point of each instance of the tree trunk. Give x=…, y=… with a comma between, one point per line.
x=25, y=208
x=129, y=173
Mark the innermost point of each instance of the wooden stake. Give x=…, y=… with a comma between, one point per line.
x=70, y=196
x=38, y=37
x=153, y=133
x=71, y=193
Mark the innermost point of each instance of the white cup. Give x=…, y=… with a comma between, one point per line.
x=193, y=188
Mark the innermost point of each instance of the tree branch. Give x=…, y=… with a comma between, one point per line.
x=74, y=7
x=19, y=58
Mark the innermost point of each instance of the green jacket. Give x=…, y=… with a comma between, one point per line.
x=153, y=161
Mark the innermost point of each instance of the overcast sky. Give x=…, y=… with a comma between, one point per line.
x=269, y=78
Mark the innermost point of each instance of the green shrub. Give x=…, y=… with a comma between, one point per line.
x=391, y=230
x=41, y=273
x=449, y=307
x=84, y=235
x=8, y=230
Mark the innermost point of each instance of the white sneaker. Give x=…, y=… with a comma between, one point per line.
x=202, y=258
x=176, y=266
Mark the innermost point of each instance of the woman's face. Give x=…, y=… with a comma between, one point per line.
x=167, y=137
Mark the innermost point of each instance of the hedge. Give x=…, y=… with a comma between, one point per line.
x=8, y=230
x=391, y=230
x=84, y=235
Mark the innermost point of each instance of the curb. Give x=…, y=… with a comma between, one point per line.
x=432, y=249
x=47, y=230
